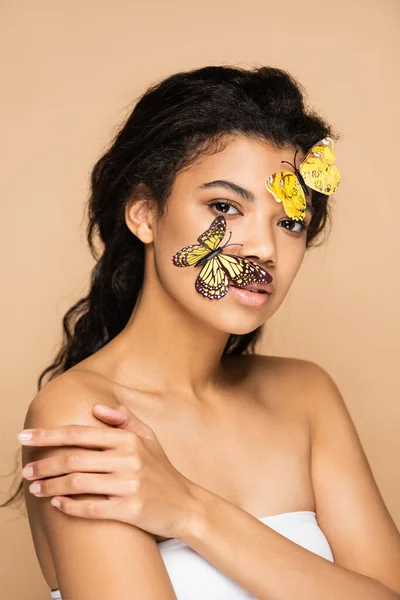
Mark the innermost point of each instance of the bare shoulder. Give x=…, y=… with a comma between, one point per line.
x=303, y=385
x=277, y=366
x=269, y=365
x=349, y=505
x=72, y=390
x=312, y=388
x=65, y=400
x=284, y=383
x=103, y=546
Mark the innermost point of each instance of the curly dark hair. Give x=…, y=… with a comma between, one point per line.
x=172, y=124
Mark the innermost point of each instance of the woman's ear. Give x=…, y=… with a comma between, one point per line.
x=139, y=216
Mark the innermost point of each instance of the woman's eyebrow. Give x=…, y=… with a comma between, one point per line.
x=240, y=191
x=229, y=185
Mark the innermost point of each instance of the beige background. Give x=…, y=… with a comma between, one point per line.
x=71, y=72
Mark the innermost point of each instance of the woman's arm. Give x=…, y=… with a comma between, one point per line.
x=94, y=559
x=350, y=510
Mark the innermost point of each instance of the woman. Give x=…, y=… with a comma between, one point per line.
x=169, y=495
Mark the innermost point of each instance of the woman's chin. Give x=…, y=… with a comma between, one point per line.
x=230, y=316
x=244, y=330
x=242, y=320
x=239, y=324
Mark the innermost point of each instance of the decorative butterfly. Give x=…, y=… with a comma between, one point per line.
x=218, y=269
x=316, y=171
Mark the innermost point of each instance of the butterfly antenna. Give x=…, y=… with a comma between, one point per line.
x=230, y=234
x=288, y=163
x=226, y=245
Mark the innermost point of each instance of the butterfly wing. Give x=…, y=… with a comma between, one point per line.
x=208, y=241
x=189, y=255
x=317, y=168
x=214, y=234
x=212, y=281
x=286, y=188
x=242, y=271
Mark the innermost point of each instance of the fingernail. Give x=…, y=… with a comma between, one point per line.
x=55, y=502
x=25, y=435
x=34, y=488
x=27, y=472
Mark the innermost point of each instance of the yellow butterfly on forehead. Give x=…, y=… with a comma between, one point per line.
x=316, y=171
x=218, y=270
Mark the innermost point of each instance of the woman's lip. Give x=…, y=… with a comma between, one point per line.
x=248, y=298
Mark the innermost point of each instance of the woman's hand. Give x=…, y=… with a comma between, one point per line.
x=139, y=483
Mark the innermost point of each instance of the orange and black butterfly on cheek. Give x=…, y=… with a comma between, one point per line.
x=218, y=270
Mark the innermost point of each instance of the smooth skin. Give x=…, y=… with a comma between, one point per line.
x=225, y=424
x=137, y=469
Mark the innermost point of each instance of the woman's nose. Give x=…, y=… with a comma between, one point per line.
x=259, y=245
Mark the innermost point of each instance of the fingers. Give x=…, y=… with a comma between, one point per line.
x=112, y=415
x=53, y=466
x=87, y=436
x=84, y=483
x=96, y=509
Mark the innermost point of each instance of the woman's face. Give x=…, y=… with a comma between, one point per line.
x=268, y=237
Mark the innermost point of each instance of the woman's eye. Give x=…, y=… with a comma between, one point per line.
x=301, y=225
x=224, y=204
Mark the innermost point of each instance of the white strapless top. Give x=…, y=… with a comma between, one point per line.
x=194, y=578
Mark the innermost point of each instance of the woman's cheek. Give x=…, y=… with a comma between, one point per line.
x=179, y=281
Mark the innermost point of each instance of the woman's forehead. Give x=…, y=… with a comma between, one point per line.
x=246, y=159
